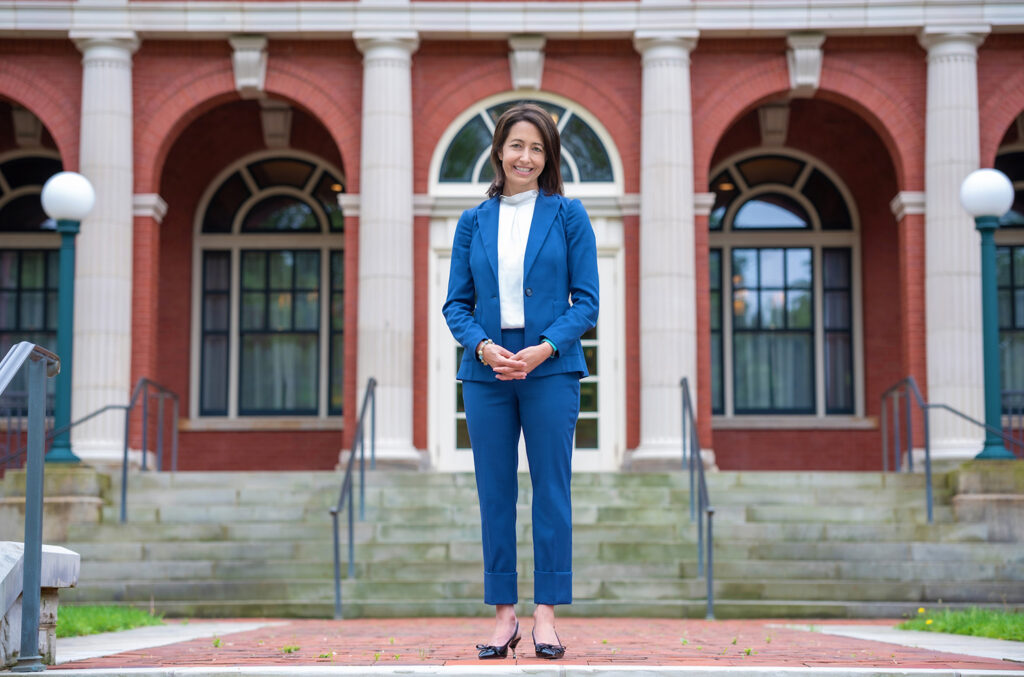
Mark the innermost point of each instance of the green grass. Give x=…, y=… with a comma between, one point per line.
x=73, y=621
x=977, y=622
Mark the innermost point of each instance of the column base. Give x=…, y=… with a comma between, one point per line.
x=393, y=455
x=108, y=456
x=662, y=456
x=946, y=455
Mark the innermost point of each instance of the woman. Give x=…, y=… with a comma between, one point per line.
x=517, y=260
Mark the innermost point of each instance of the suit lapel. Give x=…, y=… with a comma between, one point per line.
x=487, y=221
x=544, y=211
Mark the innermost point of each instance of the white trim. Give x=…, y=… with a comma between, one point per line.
x=334, y=19
x=907, y=202
x=526, y=60
x=815, y=239
x=249, y=64
x=478, y=191
x=235, y=242
x=150, y=205
x=793, y=423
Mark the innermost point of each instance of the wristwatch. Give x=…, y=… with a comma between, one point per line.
x=480, y=350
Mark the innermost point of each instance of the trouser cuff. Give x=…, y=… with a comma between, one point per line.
x=552, y=587
x=501, y=588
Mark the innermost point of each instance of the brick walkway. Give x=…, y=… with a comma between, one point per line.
x=594, y=642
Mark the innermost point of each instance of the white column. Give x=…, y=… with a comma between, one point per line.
x=103, y=274
x=385, y=241
x=952, y=255
x=668, y=322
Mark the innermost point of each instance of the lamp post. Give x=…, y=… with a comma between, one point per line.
x=987, y=194
x=67, y=198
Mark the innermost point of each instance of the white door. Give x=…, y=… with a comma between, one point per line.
x=600, y=431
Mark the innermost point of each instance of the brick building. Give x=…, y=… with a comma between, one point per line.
x=774, y=188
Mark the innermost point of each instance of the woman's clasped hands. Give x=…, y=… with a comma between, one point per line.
x=509, y=366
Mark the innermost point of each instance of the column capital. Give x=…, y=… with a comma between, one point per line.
x=665, y=44
x=907, y=202
x=386, y=44
x=703, y=203
x=107, y=42
x=941, y=41
x=149, y=205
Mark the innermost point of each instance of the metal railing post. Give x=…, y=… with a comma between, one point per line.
x=337, y=566
x=145, y=423
x=885, y=437
x=897, y=443
x=710, y=616
x=373, y=423
x=29, y=659
x=910, y=433
x=351, y=533
x=927, y=465
x=160, y=431
x=174, y=437
x=362, y=472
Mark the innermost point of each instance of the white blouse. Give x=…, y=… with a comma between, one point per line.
x=514, y=218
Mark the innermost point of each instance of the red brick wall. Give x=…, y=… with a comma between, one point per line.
x=1000, y=90
x=45, y=76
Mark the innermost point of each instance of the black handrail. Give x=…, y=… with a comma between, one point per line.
x=700, y=502
x=907, y=391
x=358, y=439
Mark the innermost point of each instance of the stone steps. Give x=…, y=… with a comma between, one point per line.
x=835, y=544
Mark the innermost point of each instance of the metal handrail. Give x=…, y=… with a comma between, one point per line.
x=907, y=391
x=700, y=502
x=142, y=387
x=42, y=364
x=359, y=438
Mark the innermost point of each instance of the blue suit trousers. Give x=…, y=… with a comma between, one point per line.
x=545, y=409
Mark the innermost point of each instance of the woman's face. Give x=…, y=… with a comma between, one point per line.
x=522, y=158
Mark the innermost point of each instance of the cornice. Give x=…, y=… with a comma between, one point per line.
x=218, y=19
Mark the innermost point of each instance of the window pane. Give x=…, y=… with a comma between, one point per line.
x=53, y=268
x=770, y=169
x=1011, y=164
x=461, y=156
x=752, y=372
x=215, y=313
x=282, y=264
x=838, y=373
x=337, y=383
x=590, y=355
x=52, y=309
x=280, y=312
x=226, y=202
x=799, y=312
x=327, y=191
x=1005, y=308
x=8, y=269
x=337, y=311
x=744, y=267
x=8, y=310
x=1011, y=352
x=717, y=395
x=307, y=270
x=715, y=269
x=829, y=202
x=281, y=172
x=587, y=150
x=772, y=271
x=773, y=310
x=337, y=270
x=716, y=310
x=307, y=311
x=837, y=268
x=1003, y=266
x=771, y=211
x=254, y=270
x=724, y=187
x=33, y=272
x=217, y=273
x=586, y=433
x=744, y=309
x=588, y=396
x=280, y=213
x=1018, y=266
x=792, y=360
x=214, y=395
x=30, y=171
x=461, y=434
x=798, y=268
x=278, y=374
x=32, y=311
x=1018, y=315
x=253, y=306
x=837, y=310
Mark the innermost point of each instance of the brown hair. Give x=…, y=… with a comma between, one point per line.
x=550, y=179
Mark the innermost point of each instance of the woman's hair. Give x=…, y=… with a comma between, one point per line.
x=550, y=180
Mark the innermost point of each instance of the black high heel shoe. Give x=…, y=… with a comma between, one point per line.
x=491, y=651
x=549, y=651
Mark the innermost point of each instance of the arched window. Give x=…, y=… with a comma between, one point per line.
x=269, y=308
x=587, y=165
x=29, y=255
x=784, y=298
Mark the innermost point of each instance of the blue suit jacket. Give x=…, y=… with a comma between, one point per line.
x=560, y=285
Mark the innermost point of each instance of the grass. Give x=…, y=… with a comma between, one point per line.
x=977, y=622
x=74, y=621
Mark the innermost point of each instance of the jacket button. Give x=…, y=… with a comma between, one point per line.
x=529, y=292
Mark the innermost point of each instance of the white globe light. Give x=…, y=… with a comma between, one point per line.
x=68, y=196
x=986, y=192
